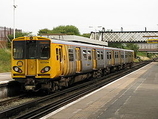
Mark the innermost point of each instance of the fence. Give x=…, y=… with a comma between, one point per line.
x=4, y=32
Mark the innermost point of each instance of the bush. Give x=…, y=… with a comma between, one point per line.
x=5, y=60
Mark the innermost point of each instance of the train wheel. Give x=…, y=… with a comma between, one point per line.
x=100, y=73
x=95, y=74
x=55, y=86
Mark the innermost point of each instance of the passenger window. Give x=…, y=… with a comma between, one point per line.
x=71, y=55
x=98, y=55
x=85, y=54
x=101, y=53
x=119, y=54
x=89, y=55
x=115, y=55
x=57, y=54
x=107, y=55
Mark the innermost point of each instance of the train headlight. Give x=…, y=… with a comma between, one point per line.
x=17, y=69
x=45, y=69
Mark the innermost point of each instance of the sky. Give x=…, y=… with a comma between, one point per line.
x=33, y=15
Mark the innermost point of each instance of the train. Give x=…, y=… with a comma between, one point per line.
x=50, y=63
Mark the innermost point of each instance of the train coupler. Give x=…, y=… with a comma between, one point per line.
x=30, y=84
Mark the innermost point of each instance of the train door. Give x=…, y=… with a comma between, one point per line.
x=59, y=58
x=31, y=67
x=112, y=57
x=94, y=59
x=78, y=60
x=119, y=57
x=122, y=57
x=31, y=58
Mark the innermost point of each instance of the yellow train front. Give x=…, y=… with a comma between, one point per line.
x=43, y=63
x=32, y=61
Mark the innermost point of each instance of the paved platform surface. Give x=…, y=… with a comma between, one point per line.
x=134, y=96
x=5, y=77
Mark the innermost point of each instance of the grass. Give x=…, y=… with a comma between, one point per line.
x=5, y=60
x=141, y=54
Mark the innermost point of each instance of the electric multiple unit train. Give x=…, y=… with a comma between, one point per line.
x=49, y=63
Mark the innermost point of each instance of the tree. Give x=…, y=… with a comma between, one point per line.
x=132, y=46
x=69, y=30
x=87, y=35
x=44, y=31
x=116, y=45
x=17, y=34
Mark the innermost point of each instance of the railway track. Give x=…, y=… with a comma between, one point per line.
x=3, y=85
x=40, y=107
x=7, y=101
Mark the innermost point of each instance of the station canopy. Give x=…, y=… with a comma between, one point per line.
x=74, y=38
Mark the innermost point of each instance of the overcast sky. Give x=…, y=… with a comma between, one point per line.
x=33, y=15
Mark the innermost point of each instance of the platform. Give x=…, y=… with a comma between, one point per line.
x=134, y=96
x=5, y=77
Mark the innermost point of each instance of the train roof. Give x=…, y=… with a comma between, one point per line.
x=73, y=40
x=82, y=41
x=78, y=39
x=86, y=45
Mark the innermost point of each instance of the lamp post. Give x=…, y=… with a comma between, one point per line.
x=14, y=7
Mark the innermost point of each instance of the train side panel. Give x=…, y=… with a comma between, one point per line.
x=65, y=60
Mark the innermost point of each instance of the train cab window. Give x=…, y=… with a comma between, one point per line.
x=18, y=49
x=71, y=55
x=44, y=51
x=85, y=54
x=31, y=49
x=89, y=55
x=98, y=55
x=101, y=54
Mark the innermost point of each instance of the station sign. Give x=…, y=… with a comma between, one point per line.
x=152, y=41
